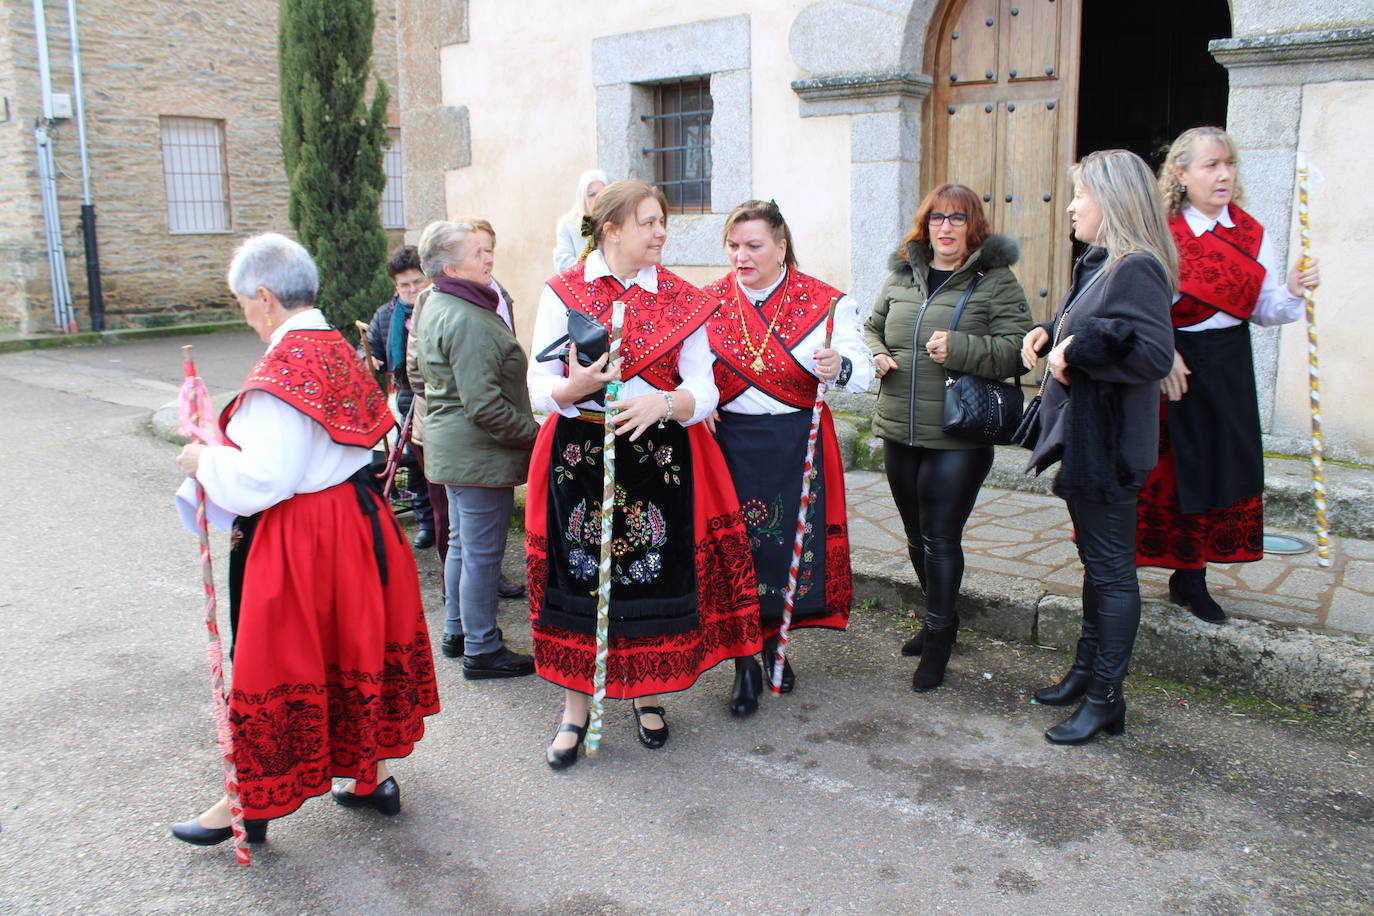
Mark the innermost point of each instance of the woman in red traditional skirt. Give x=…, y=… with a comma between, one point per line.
x=768, y=338
x=332, y=671
x=1204, y=503
x=683, y=596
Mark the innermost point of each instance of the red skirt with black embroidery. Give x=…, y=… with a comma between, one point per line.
x=332, y=668
x=1169, y=537
x=725, y=620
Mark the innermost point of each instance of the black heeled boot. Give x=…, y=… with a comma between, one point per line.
x=1188, y=588
x=1103, y=710
x=744, y=695
x=1073, y=685
x=917, y=644
x=930, y=673
x=769, y=656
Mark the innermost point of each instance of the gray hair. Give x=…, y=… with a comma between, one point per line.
x=1133, y=218
x=441, y=244
x=277, y=264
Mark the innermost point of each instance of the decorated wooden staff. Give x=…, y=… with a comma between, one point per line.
x=393, y=458
x=197, y=415
x=789, y=597
x=1313, y=375
x=603, y=592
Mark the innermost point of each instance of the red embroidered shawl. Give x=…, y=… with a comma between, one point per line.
x=656, y=324
x=318, y=373
x=801, y=303
x=1218, y=271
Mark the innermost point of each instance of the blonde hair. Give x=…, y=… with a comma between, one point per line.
x=441, y=245
x=579, y=207
x=1180, y=156
x=1133, y=218
x=616, y=204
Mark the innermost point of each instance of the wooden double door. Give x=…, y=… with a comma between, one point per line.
x=1002, y=119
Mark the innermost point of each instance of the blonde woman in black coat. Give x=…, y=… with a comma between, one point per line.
x=1107, y=350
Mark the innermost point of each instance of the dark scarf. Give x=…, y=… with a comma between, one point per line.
x=396, y=334
x=1092, y=467
x=475, y=293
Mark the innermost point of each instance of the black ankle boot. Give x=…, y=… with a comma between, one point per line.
x=1188, y=588
x=917, y=644
x=744, y=695
x=1073, y=685
x=930, y=673
x=1103, y=709
x=770, y=656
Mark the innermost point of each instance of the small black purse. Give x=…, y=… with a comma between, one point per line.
x=591, y=339
x=986, y=411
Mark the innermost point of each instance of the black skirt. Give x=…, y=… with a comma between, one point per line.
x=1215, y=428
x=653, y=575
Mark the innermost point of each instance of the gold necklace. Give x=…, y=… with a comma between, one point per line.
x=757, y=365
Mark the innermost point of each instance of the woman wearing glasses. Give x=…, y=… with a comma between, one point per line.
x=949, y=255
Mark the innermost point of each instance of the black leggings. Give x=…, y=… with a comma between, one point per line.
x=1105, y=533
x=935, y=490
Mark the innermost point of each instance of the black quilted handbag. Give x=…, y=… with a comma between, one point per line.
x=986, y=411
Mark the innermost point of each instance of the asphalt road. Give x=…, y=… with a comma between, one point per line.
x=852, y=795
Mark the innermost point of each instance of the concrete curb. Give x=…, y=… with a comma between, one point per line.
x=125, y=335
x=1296, y=667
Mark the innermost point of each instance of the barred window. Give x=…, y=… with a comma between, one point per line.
x=393, y=195
x=682, y=143
x=196, y=174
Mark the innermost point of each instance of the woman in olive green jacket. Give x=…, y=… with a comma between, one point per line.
x=479, y=432
x=935, y=477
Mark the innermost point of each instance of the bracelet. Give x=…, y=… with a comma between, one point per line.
x=668, y=415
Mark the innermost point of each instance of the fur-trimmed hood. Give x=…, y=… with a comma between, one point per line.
x=996, y=251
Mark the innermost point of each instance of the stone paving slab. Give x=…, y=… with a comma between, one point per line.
x=1299, y=633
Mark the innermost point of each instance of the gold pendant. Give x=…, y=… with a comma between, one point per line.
x=757, y=364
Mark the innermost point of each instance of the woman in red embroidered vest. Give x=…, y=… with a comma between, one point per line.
x=768, y=338
x=332, y=671
x=683, y=596
x=1204, y=503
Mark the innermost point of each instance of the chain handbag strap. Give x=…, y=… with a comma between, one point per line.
x=1059, y=326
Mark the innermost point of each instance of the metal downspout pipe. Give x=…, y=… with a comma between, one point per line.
x=64, y=315
x=97, y=299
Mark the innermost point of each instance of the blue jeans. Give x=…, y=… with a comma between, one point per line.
x=479, y=520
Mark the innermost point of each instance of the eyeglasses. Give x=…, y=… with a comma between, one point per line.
x=412, y=286
x=955, y=219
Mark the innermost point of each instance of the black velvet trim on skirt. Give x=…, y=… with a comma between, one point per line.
x=653, y=550
x=240, y=540
x=765, y=454
x=1214, y=429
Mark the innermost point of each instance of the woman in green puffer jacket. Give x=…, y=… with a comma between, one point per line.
x=935, y=477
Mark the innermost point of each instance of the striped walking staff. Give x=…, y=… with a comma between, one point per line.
x=790, y=596
x=1313, y=375
x=603, y=590
x=196, y=413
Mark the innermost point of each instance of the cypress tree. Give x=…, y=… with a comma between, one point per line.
x=332, y=142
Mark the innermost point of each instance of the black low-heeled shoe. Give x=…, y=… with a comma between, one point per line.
x=652, y=738
x=562, y=758
x=192, y=832
x=770, y=655
x=386, y=798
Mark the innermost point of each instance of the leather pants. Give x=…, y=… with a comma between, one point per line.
x=1105, y=533
x=935, y=490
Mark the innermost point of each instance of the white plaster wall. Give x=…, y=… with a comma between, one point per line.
x=527, y=83
x=1341, y=212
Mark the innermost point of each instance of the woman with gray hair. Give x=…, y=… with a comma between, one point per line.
x=332, y=670
x=569, y=239
x=1106, y=350
x=479, y=430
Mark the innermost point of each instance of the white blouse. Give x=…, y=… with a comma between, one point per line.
x=551, y=323
x=281, y=452
x=848, y=339
x=1276, y=304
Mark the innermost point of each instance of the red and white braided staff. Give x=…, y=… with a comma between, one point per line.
x=197, y=415
x=789, y=597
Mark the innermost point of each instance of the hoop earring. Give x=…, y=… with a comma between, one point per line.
x=1182, y=189
x=267, y=318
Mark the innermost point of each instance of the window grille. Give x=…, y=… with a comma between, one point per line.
x=682, y=144
x=196, y=174
x=393, y=195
